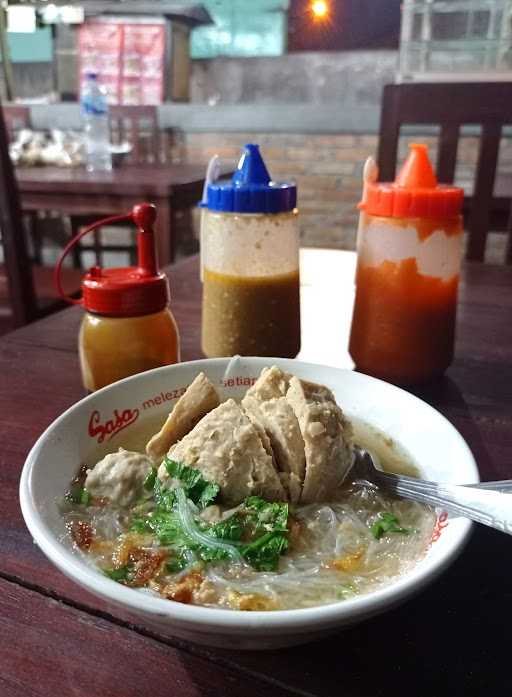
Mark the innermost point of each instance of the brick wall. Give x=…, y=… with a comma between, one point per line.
x=327, y=169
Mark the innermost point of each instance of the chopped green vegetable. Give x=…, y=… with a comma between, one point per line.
x=207, y=553
x=256, y=532
x=265, y=516
x=120, y=574
x=164, y=524
x=85, y=497
x=149, y=481
x=262, y=526
x=230, y=529
x=197, y=489
x=265, y=532
x=141, y=525
x=164, y=497
x=208, y=547
x=178, y=563
x=79, y=494
x=263, y=554
x=196, y=540
x=388, y=523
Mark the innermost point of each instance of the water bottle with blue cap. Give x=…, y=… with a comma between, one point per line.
x=95, y=116
x=250, y=264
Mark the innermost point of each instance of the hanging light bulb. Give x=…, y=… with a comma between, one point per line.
x=319, y=9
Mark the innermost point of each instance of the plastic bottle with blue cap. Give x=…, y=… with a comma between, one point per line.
x=95, y=116
x=250, y=263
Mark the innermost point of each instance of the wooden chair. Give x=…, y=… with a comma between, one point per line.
x=17, y=118
x=451, y=105
x=27, y=291
x=43, y=226
x=138, y=126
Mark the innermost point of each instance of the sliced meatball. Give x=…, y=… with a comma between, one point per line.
x=226, y=448
x=119, y=477
x=256, y=419
x=282, y=429
x=199, y=399
x=271, y=384
x=327, y=438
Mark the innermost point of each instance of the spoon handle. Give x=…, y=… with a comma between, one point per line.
x=503, y=485
x=481, y=504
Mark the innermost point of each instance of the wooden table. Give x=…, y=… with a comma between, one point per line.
x=451, y=640
x=76, y=192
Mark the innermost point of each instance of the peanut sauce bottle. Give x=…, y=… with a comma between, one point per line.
x=128, y=326
x=409, y=253
x=250, y=264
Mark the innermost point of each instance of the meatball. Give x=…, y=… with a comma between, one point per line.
x=119, y=477
x=199, y=399
x=227, y=449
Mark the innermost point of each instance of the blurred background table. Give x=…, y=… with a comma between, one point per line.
x=76, y=192
x=450, y=640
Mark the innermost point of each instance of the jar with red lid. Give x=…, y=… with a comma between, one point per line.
x=128, y=326
x=409, y=253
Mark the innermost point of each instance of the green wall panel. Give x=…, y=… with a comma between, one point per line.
x=242, y=28
x=31, y=48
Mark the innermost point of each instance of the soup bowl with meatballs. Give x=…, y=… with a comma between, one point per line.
x=216, y=500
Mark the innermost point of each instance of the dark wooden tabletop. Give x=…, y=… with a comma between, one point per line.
x=450, y=640
x=138, y=180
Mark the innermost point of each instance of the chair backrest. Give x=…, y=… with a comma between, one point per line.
x=451, y=105
x=17, y=263
x=138, y=125
x=16, y=117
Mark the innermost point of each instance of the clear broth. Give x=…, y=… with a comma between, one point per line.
x=332, y=556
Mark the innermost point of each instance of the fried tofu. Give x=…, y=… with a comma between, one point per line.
x=199, y=399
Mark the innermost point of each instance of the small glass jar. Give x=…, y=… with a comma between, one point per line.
x=250, y=265
x=128, y=326
x=112, y=348
x=403, y=326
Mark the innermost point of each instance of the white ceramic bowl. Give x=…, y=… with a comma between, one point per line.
x=111, y=417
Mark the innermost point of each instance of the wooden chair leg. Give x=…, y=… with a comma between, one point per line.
x=98, y=253
x=19, y=274
x=478, y=223
x=165, y=230
x=389, y=134
x=36, y=239
x=184, y=233
x=77, y=251
x=508, y=250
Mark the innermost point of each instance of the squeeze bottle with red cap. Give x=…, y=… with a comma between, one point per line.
x=127, y=327
x=409, y=253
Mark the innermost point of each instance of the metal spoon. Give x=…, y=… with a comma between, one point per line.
x=489, y=503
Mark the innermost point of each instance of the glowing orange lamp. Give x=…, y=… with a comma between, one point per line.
x=319, y=9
